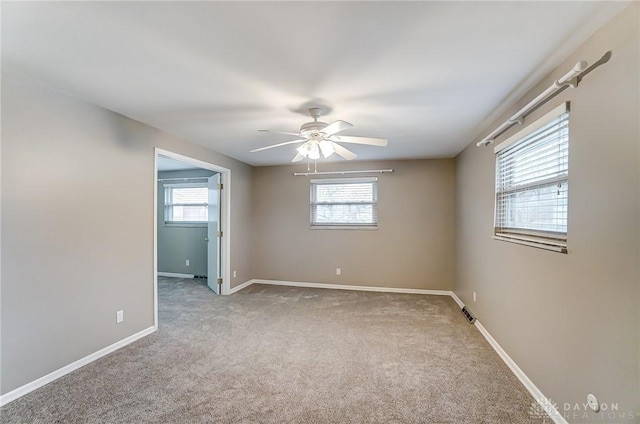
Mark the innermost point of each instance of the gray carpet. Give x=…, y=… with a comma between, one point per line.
x=272, y=354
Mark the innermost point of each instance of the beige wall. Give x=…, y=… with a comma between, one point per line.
x=77, y=227
x=571, y=322
x=412, y=248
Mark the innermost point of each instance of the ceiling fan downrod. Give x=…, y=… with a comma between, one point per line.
x=315, y=113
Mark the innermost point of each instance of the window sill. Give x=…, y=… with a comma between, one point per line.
x=345, y=227
x=186, y=224
x=554, y=247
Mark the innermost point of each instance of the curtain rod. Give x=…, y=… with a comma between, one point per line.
x=367, y=171
x=570, y=79
x=182, y=179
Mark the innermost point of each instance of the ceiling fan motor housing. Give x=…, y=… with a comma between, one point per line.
x=312, y=130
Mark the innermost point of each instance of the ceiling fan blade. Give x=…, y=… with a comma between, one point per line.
x=280, y=132
x=345, y=153
x=336, y=127
x=361, y=140
x=297, y=158
x=277, y=145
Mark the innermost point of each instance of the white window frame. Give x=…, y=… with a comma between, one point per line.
x=167, y=206
x=546, y=238
x=314, y=183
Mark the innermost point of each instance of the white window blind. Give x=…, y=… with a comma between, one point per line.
x=347, y=202
x=186, y=203
x=532, y=183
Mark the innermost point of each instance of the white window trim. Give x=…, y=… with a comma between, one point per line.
x=536, y=239
x=350, y=226
x=364, y=227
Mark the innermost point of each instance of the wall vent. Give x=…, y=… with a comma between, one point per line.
x=467, y=314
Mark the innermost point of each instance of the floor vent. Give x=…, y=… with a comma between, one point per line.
x=468, y=316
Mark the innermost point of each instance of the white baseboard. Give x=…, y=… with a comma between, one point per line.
x=359, y=288
x=36, y=384
x=457, y=299
x=539, y=397
x=241, y=286
x=175, y=274
x=544, y=402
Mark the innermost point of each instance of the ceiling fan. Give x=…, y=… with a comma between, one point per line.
x=320, y=138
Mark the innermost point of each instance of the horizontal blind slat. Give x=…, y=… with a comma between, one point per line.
x=186, y=203
x=343, y=202
x=532, y=182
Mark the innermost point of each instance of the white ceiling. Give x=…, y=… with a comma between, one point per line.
x=426, y=75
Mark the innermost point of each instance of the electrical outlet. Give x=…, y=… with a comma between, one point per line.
x=474, y=296
x=235, y=273
x=119, y=317
x=338, y=271
x=592, y=401
x=187, y=262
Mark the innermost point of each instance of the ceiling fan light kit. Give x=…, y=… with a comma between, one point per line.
x=312, y=150
x=309, y=150
x=319, y=138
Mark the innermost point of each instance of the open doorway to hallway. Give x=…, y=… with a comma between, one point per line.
x=182, y=228
x=191, y=214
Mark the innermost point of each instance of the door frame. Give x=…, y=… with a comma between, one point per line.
x=225, y=215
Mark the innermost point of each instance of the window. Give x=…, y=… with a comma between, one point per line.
x=186, y=203
x=344, y=203
x=532, y=182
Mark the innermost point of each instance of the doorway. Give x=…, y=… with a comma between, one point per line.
x=191, y=221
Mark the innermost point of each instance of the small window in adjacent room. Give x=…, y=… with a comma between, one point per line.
x=348, y=203
x=532, y=183
x=186, y=204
